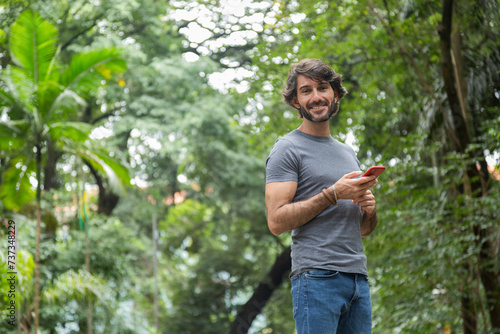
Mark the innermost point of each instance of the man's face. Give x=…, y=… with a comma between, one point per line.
x=315, y=100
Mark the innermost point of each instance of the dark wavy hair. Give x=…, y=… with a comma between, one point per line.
x=315, y=69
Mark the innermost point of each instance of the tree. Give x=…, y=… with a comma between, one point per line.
x=42, y=99
x=431, y=125
x=475, y=182
x=218, y=265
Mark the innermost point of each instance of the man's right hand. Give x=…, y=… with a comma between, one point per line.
x=348, y=187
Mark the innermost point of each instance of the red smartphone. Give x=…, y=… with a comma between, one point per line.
x=375, y=170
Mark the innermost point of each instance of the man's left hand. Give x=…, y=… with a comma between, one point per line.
x=366, y=202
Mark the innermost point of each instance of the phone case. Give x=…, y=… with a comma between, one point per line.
x=375, y=170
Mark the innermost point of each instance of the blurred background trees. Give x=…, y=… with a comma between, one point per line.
x=188, y=125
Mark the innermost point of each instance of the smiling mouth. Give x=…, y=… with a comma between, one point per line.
x=317, y=107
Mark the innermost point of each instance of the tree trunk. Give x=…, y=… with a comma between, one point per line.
x=488, y=274
x=107, y=200
x=49, y=175
x=469, y=315
x=458, y=118
x=475, y=183
x=468, y=303
x=262, y=294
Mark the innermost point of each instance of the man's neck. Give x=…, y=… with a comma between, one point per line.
x=315, y=129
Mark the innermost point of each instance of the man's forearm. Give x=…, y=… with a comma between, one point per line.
x=368, y=224
x=292, y=215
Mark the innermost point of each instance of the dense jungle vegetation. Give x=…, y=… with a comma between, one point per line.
x=133, y=140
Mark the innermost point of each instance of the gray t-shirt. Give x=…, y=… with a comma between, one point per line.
x=331, y=240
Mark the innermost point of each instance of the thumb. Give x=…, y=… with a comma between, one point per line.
x=353, y=174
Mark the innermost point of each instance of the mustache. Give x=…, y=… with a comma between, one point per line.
x=316, y=104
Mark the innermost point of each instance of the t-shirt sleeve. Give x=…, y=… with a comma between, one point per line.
x=283, y=163
x=355, y=156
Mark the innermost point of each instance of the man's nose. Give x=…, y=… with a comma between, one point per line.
x=315, y=96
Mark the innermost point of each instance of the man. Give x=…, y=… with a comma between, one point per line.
x=313, y=188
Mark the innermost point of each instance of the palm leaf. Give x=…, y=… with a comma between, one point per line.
x=48, y=92
x=64, y=104
x=118, y=176
x=6, y=98
x=9, y=143
x=23, y=86
x=18, y=89
x=73, y=285
x=16, y=188
x=116, y=165
x=11, y=136
x=73, y=138
x=69, y=131
x=33, y=43
x=84, y=67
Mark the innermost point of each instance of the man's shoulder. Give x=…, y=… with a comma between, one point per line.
x=292, y=135
x=289, y=140
x=345, y=146
x=341, y=144
x=296, y=138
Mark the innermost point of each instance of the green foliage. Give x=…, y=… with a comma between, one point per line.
x=33, y=44
x=424, y=250
x=35, y=90
x=24, y=276
x=16, y=189
x=421, y=253
x=76, y=286
x=117, y=254
x=185, y=140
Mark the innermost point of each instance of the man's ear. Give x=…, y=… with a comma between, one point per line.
x=295, y=103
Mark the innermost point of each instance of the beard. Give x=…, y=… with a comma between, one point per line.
x=332, y=111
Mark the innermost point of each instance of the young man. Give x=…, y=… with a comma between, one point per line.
x=313, y=188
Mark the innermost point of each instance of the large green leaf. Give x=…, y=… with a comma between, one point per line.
x=87, y=68
x=6, y=98
x=33, y=43
x=63, y=104
x=16, y=188
x=12, y=136
x=23, y=86
x=9, y=143
x=73, y=138
x=118, y=176
x=18, y=89
x=116, y=165
x=74, y=131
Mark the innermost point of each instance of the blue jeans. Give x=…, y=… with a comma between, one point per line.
x=331, y=302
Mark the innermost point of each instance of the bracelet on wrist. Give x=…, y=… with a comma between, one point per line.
x=331, y=199
x=335, y=193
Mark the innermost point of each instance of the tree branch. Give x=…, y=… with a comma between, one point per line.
x=262, y=294
x=103, y=116
x=65, y=45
